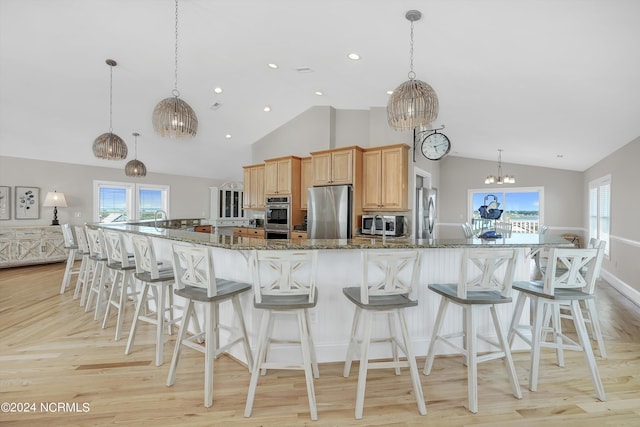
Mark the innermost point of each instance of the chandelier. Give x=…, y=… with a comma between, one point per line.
x=173, y=117
x=414, y=103
x=109, y=145
x=500, y=179
x=135, y=167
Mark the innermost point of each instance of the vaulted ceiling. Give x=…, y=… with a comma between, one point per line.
x=552, y=82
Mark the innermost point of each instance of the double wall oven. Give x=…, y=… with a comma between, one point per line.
x=277, y=218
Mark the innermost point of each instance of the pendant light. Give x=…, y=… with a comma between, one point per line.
x=414, y=103
x=109, y=145
x=500, y=179
x=173, y=117
x=135, y=167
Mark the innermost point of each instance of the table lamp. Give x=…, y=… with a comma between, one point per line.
x=55, y=199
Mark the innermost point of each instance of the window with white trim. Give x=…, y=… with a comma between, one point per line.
x=124, y=201
x=600, y=210
x=522, y=206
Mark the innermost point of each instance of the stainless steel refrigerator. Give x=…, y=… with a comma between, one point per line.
x=329, y=212
x=425, y=219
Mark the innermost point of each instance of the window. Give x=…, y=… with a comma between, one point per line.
x=600, y=210
x=123, y=201
x=521, y=206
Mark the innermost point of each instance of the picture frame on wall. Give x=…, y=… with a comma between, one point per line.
x=27, y=203
x=5, y=202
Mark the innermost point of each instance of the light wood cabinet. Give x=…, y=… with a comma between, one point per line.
x=256, y=233
x=299, y=235
x=31, y=245
x=281, y=175
x=385, y=178
x=335, y=167
x=254, y=187
x=306, y=180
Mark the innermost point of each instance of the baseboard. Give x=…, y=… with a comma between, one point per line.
x=632, y=294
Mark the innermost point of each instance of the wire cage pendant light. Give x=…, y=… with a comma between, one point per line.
x=414, y=103
x=109, y=145
x=172, y=116
x=135, y=167
x=500, y=179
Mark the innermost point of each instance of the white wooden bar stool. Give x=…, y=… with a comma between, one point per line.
x=284, y=283
x=388, y=286
x=123, y=287
x=196, y=282
x=101, y=278
x=588, y=306
x=484, y=281
x=566, y=282
x=160, y=282
x=86, y=265
x=72, y=247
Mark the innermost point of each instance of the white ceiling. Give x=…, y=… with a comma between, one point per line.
x=537, y=78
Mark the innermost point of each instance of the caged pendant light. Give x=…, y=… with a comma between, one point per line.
x=135, y=167
x=109, y=145
x=173, y=117
x=414, y=103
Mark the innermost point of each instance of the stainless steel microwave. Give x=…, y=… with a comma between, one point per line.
x=389, y=225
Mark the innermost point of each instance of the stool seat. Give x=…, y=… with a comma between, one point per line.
x=473, y=297
x=537, y=288
x=381, y=302
x=225, y=289
x=286, y=302
x=163, y=275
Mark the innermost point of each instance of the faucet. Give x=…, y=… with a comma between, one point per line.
x=155, y=217
x=384, y=227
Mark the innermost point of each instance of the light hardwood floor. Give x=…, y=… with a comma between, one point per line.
x=51, y=351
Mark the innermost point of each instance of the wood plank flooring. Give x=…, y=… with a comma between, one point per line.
x=52, y=352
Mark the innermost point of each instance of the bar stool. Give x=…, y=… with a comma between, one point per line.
x=195, y=280
x=485, y=281
x=72, y=247
x=388, y=286
x=566, y=282
x=101, y=278
x=123, y=287
x=467, y=230
x=160, y=282
x=86, y=265
x=284, y=283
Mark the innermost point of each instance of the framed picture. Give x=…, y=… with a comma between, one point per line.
x=27, y=203
x=5, y=202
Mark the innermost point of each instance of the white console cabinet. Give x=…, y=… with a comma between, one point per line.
x=31, y=245
x=226, y=205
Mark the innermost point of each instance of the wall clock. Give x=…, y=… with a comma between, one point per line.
x=435, y=145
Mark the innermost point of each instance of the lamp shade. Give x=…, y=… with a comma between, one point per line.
x=174, y=118
x=413, y=104
x=55, y=199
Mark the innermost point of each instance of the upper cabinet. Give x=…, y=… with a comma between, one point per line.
x=385, y=176
x=335, y=167
x=306, y=180
x=282, y=175
x=254, y=187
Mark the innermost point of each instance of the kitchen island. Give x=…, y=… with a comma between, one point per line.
x=339, y=266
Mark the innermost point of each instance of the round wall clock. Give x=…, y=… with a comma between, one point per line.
x=435, y=146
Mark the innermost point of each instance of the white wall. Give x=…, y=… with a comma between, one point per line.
x=189, y=196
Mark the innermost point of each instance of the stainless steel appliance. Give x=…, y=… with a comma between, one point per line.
x=387, y=225
x=425, y=213
x=277, y=218
x=329, y=212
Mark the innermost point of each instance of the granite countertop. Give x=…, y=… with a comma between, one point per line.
x=358, y=242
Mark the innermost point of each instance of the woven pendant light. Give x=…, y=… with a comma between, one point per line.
x=172, y=116
x=414, y=103
x=135, y=167
x=110, y=146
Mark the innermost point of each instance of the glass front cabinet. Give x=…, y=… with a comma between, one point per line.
x=226, y=205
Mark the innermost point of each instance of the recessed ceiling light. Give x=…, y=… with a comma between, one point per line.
x=389, y=92
x=267, y=108
x=228, y=136
x=272, y=65
x=353, y=56
x=319, y=93
x=217, y=90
